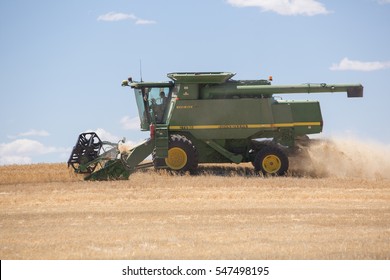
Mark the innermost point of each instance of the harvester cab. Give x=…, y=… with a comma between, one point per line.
x=153, y=100
x=207, y=117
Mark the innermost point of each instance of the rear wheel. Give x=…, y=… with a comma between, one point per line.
x=271, y=160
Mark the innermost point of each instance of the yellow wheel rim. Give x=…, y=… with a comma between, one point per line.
x=272, y=164
x=177, y=158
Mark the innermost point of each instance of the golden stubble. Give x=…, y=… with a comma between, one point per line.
x=223, y=212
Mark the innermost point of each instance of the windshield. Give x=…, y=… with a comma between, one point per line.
x=152, y=103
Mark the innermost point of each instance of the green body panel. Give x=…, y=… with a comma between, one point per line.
x=223, y=150
x=138, y=153
x=262, y=117
x=161, y=139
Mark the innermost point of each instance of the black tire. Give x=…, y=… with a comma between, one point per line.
x=182, y=154
x=271, y=160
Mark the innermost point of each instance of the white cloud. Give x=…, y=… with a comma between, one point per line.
x=6, y=160
x=284, y=7
x=144, y=21
x=31, y=132
x=107, y=136
x=356, y=65
x=384, y=1
x=21, y=151
x=22, y=146
x=113, y=16
x=104, y=135
x=130, y=123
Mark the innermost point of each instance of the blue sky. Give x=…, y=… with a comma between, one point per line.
x=62, y=62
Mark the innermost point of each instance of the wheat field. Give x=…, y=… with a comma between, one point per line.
x=223, y=212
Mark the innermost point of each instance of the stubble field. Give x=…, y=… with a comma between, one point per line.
x=223, y=212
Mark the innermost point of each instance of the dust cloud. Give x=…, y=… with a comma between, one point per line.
x=343, y=158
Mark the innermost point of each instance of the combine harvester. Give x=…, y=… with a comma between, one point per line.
x=209, y=118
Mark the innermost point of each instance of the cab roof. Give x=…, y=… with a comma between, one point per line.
x=151, y=84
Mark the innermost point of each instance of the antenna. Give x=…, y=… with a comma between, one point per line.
x=140, y=69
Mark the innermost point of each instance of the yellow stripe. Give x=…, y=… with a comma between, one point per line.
x=241, y=126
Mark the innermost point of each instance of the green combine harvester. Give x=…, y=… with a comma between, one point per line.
x=207, y=117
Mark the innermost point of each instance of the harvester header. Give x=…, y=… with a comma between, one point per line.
x=208, y=117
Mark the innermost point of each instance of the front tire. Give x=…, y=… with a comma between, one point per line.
x=271, y=160
x=182, y=154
